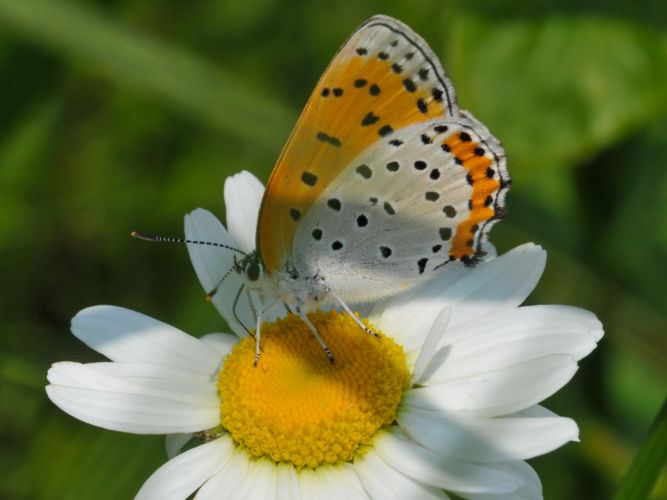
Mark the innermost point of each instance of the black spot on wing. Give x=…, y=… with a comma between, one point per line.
x=445, y=233
x=321, y=136
x=385, y=130
x=393, y=166
x=369, y=119
x=409, y=85
x=364, y=171
x=450, y=211
x=334, y=204
x=308, y=178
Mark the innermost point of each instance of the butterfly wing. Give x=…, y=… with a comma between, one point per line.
x=384, y=78
x=404, y=208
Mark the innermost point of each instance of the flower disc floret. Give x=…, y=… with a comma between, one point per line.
x=297, y=407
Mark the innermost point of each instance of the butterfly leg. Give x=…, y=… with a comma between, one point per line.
x=287, y=307
x=317, y=335
x=350, y=313
x=258, y=326
x=251, y=303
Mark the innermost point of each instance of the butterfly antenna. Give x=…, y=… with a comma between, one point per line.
x=217, y=286
x=150, y=237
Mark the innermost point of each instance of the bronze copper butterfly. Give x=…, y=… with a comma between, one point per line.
x=383, y=182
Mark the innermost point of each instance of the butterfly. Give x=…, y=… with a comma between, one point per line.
x=383, y=183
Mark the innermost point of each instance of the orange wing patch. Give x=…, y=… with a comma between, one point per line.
x=384, y=78
x=485, y=181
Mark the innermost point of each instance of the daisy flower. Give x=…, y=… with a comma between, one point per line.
x=446, y=400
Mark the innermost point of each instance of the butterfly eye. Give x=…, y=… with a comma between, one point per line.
x=253, y=271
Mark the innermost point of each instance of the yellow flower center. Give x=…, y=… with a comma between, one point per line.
x=297, y=407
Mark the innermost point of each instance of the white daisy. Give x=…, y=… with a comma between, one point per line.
x=445, y=401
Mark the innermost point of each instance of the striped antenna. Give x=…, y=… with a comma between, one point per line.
x=150, y=237
x=210, y=294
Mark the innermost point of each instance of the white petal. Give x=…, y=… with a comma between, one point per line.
x=311, y=485
x=243, y=196
x=530, y=490
x=182, y=475
x=512, y=336
x=536, y=411
x=174, y=443
x=212, y=263
x=222, y=343
x=384, y=483
x=429, y=348
x=503, y=282
x=499, y=392
x=525, y=322
x=428, y=467
x=124, y=335
x=136, y=413
x=486, y=440
x=228, y=481
x=495, y=346
x=161, y=377
x=260, y=482
x=287, y=482
x=135, y=378
x=341, y=482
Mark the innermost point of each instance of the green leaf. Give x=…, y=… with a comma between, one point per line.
x=640, y=478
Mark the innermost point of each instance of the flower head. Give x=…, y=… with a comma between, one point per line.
x=445, y=400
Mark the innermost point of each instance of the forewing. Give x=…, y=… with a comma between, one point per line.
x=404, y=208
x=384, y=78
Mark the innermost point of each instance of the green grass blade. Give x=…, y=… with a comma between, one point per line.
x=640, y=478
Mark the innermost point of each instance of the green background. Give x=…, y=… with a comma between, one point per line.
x=123, y=115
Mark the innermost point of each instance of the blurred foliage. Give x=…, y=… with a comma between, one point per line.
x=124, y=114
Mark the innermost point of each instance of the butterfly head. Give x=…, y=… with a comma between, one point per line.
x=250, y=269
